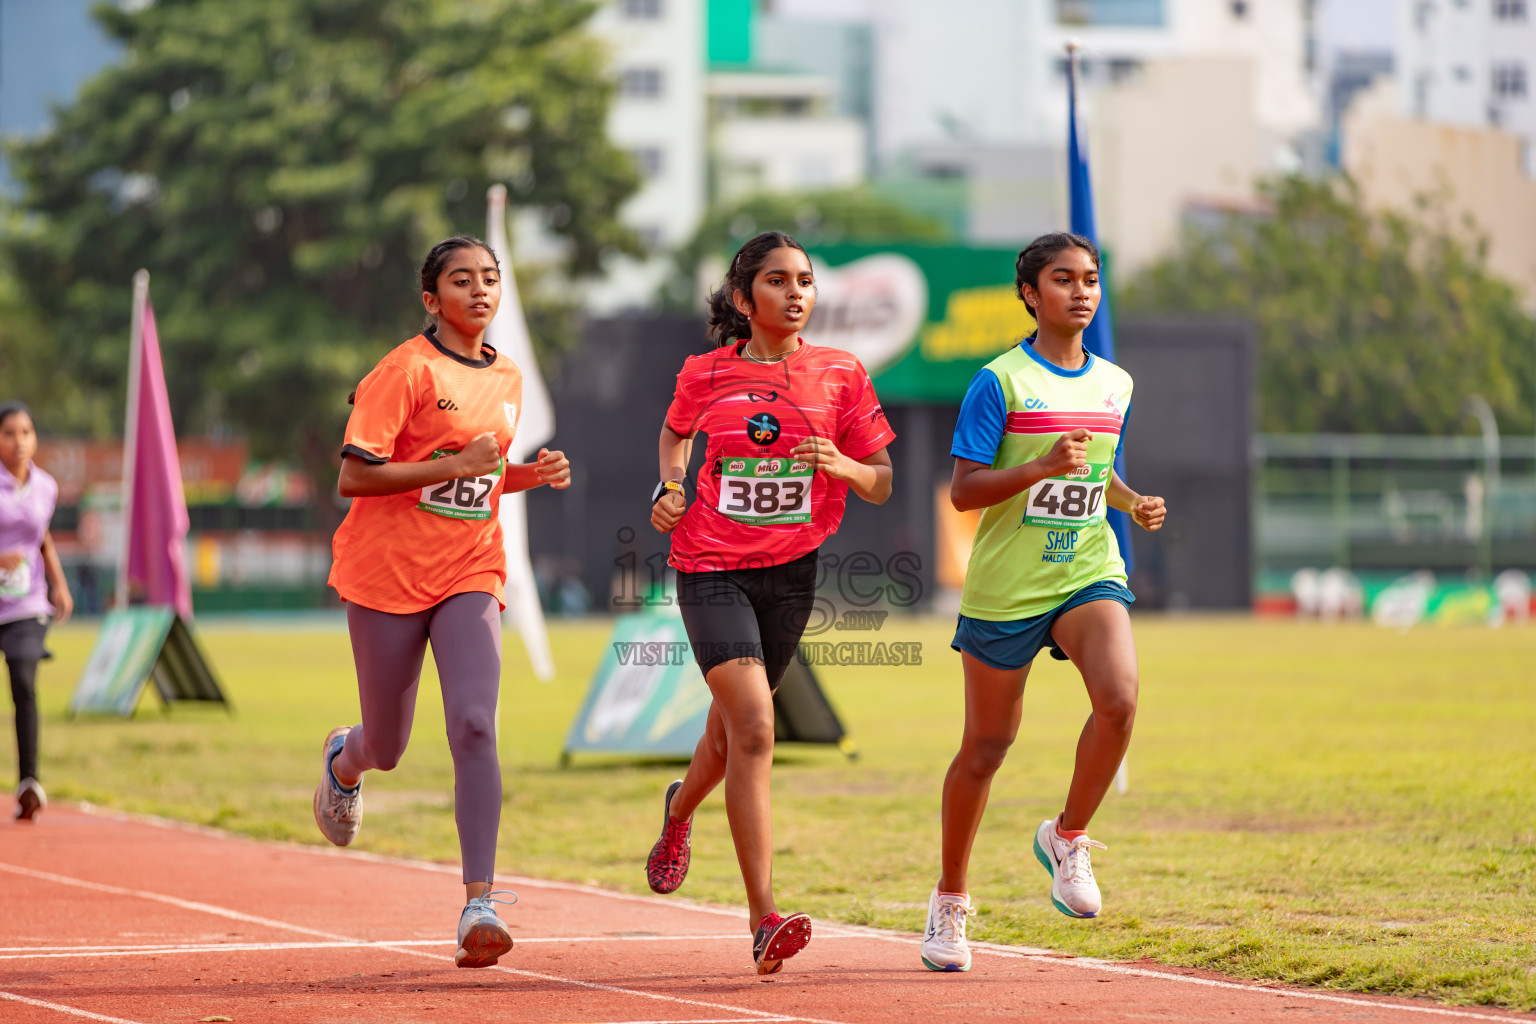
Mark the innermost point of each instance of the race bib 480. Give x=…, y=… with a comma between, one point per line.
x=1069, y=502
x=467, y=497
x=765, y=491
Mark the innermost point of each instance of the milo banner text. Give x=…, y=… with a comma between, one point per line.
x=922, y=319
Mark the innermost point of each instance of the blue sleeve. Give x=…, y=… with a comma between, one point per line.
x=983, y=419
x=1125, y=421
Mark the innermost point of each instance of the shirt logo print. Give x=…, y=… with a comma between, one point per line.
x=763, y=428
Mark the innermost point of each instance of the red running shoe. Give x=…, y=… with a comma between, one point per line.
x=778, y=939
x=667, y=865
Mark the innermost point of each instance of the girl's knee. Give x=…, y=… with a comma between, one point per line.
x=752, y=738
x=1116, y=708
x=982, y=756
x=472, y=732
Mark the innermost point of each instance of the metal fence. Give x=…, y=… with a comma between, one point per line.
x=1378, y=503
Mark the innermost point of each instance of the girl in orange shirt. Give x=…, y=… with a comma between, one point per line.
x=419, y=559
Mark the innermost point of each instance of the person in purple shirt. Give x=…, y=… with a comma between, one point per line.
x=33, y=591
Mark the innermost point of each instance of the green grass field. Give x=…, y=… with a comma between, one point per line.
x=1334, y=805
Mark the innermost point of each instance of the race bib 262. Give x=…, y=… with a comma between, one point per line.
x=466, y=497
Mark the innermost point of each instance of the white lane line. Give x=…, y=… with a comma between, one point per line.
x=170, y=824
x=61, y=1008
x=87, y=952
x=206, y=908
x=841, y=931
x=1255, y=988
x=1232, y=986
x=235, y=915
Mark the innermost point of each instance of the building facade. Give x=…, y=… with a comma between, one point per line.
x=1471, y=63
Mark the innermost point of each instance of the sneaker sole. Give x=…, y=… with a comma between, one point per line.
x=792, y=936
x=483, y=946
x=1045, y=862
x=28, y=806
x=947, y=968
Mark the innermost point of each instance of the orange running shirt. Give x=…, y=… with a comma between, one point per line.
x=391, y=553
x=753, y=505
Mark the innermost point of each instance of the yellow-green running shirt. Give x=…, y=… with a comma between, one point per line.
x=1041, y=546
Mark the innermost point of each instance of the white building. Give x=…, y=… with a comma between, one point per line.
x=1471, y=63
x=991, y=71
x=657, y=53
x=779, y=132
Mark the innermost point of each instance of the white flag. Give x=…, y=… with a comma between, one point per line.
x=535, y=424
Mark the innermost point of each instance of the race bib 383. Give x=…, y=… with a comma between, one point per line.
x=766, y=492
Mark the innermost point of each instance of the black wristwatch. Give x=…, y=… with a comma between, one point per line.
x=663, y=487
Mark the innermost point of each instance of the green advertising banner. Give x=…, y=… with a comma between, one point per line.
x=124, y=656
x=137, y=645
x=648, y=696
x=922, y=319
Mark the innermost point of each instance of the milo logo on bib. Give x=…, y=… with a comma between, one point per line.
x=1068, y=502
x=766, y=492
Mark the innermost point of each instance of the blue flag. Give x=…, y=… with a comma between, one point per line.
x=1099, y=336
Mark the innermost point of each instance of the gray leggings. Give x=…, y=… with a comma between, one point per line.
x=465, y=631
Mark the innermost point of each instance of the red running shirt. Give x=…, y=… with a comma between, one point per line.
x=760, y=411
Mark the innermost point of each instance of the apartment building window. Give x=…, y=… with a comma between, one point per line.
x=642, y=8
x=1509, y=10
x=1508, y=81
x=650, y=160
x=641, y=83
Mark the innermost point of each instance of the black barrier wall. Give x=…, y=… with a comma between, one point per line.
x=1190, y=425
x=1188, y=439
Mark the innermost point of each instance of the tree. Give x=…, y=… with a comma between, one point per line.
x=1370, y=323
x=281, y=168
x=830, y=217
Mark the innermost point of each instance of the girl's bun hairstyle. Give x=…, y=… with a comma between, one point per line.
x=726, y=322
x=1039, y=253
x=437, y=259
x=9, y=409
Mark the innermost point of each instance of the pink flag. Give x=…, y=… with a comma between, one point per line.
x=155, y=514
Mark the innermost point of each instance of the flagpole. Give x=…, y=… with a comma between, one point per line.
x=1080, y=209
x=131, y=428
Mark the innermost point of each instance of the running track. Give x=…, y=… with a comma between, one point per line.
x=108, y=918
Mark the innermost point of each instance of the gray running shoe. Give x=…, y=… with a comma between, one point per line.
x=30, y=799
x=338, y=811
x=483, y=939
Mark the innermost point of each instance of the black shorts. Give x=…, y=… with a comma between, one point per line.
x=758, y=613
x=22, y=640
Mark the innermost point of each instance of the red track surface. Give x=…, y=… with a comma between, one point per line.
x=111, y=919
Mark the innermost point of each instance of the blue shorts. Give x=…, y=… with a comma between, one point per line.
x=1012, y=644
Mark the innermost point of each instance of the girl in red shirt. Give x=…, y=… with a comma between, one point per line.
x=792, y=428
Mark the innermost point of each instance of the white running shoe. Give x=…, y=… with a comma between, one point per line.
x=483, y=939
x=30, y=799
x=338, y=812
x=944, y=947
x=1073, y=889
